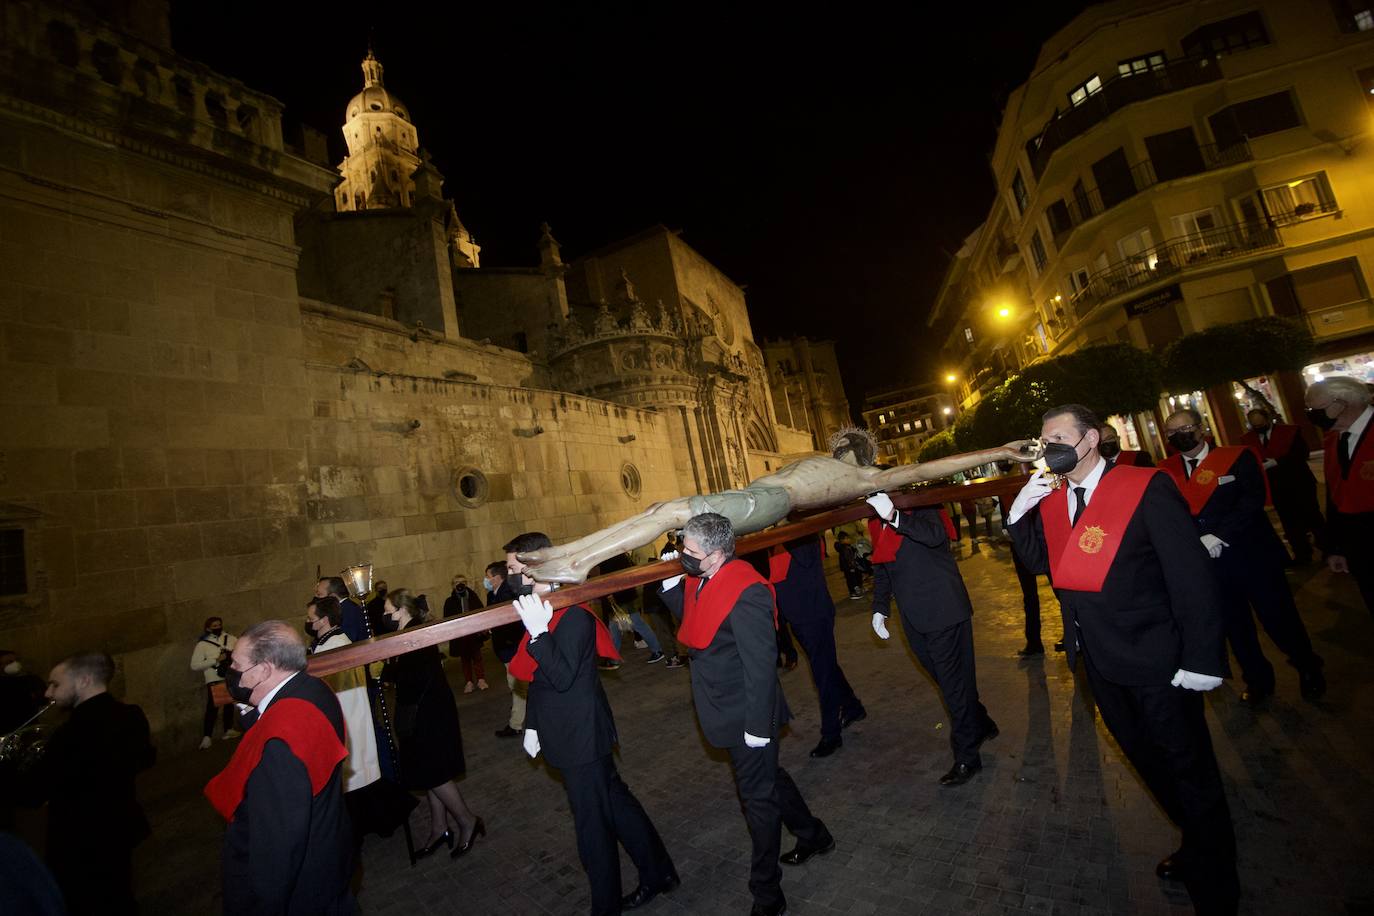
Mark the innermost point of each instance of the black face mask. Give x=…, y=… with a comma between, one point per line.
x=521, y=584
x=1320, y=418
x=386, y=624
x=1109, y=450
x=216, y=631
x=233, y=682
x=1184, y=442
x=309, y=630
x=1060, y=457
x=690, y=565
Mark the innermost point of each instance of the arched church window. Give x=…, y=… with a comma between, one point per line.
x=630, y=480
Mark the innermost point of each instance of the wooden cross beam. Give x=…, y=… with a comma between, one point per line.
x=799, y=524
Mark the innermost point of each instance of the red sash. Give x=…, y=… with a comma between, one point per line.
x=1280, y=441
x=1133, y=459
x=1082, y=555
x=779, y=562
x=306, y=731
x=1356, y=492
x=522, y=664
x=703, y=614
x=886, y=540
x=1200, y=487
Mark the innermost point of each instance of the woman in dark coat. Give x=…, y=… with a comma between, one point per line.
x=468, y=648
x=427, y=730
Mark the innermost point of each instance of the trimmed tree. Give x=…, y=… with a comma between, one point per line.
x=940, y=445
x=1236, y=352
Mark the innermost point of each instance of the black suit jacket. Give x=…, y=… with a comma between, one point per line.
x=735, y=679
x=566, y=703
x=287, y=851
x=804, y=596
x=88, y=775
x=505, y=639
x=924, y=578
x=1235, y=513
x=1346, y=532
x=1159, y=609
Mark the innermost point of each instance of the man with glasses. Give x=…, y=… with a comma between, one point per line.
x=1225, y=491
x=1339, y=405
x=729, y=622
x=1291, y=482
x=1141, y=606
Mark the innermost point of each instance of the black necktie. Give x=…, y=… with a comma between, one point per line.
x=1264, y=438
x=1080, y=502
x=1344, y=454
x=1191, y=466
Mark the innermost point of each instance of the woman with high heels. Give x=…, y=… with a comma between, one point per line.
x=427, y=730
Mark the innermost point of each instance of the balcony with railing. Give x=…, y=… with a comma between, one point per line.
x=1115, y=94
x=1068, y=214
x=1170, y=258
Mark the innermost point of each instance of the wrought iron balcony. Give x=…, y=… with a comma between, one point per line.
x=1172, y=257
x=1115, y=94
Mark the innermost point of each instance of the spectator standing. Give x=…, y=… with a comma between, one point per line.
x=849, y=565
x=464, y=600
x=505, y=639
x=211, y=657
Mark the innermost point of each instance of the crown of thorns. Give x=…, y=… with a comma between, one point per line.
x=854, y=439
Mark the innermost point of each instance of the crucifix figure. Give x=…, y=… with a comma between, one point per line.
x=811, y=483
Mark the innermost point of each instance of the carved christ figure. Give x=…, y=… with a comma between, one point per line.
x=811, y=483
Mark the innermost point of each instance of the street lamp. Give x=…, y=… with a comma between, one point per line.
x=1004, y=312
x=951, y=378
x=947, y=411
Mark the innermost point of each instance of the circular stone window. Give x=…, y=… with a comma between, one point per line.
x=629, y=480
x=470, y=487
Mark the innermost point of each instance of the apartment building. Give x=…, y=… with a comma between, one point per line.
x=1168, y=167
x=904, y=418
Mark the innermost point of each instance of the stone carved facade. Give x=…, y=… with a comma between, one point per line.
x=200, y=420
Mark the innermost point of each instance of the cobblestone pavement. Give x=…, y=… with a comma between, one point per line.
x=1054, y=824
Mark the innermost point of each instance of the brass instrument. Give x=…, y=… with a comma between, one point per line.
x=21, y=751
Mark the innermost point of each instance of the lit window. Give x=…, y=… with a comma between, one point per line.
x=968, y=334
x=882, y=418
x=906, y=427
x=1364, y=20
x=1152, y=61
x=1079, y=94
x=1299, y=199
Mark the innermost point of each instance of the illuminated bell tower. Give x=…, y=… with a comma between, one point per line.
x=383, y=148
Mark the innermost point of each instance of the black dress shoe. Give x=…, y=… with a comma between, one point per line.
x=762, y=909
x=1171, y=869
x=1029, y=651
x=643, y=895
x=961, y=774
x=826, y=747
x=508, y=732
x=990, y=731
x=1253, y=697
x=849, y=716
x=1312, y=683
x=802, y=851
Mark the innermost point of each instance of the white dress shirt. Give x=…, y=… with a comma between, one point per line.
x=1089, y=484
x=262, y=707
x=1196, y=459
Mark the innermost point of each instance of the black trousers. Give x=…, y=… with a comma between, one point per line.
x=1299, y=513
x=1263, y=587
x=1163, y=733
x=853, y=580
x=785, y=647
x=208, y=725
x=817, y=639
x=1030, y=599
x=771, y=801
x=947, y=655
x=605, y=812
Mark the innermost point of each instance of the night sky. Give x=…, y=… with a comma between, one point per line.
x=827, y=158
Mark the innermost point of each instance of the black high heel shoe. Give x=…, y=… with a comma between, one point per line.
x=445, y=839
x=478, y=829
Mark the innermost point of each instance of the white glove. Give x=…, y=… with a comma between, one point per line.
x=1036, y=489
x=755, y=741
x=531, y=742
x=1213, y=545
x=535, y=613
x=671, y=582
x=882, y=504
x=1270, y=463
x=1190, y=681
x=880, y=625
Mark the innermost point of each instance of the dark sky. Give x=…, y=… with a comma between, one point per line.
x=826, y=157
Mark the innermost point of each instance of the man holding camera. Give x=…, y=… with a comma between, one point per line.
x=211, y=657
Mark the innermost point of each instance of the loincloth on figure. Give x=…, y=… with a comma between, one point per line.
x=752, y=509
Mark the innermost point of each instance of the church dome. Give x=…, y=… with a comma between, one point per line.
x=375, y=97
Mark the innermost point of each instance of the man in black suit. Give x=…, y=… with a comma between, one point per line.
x=729, y=623
x=1141, y=604
x=1292, y=485
x=87, y=777
x=568, y=719
x=912, y=562
x=505, y=639
x=1339, y=405
x=355, y=621
x=1225, y=491
x=804, y=601
x=289, y=847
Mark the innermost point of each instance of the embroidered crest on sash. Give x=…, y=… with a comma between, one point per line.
x=1092, y=539
x=1204, y=477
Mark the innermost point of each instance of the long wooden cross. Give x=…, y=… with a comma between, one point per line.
x=799, y=524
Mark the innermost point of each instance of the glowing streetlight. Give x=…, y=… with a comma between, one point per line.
x=947, y=411
x=951, y=378
x=1004, y=312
